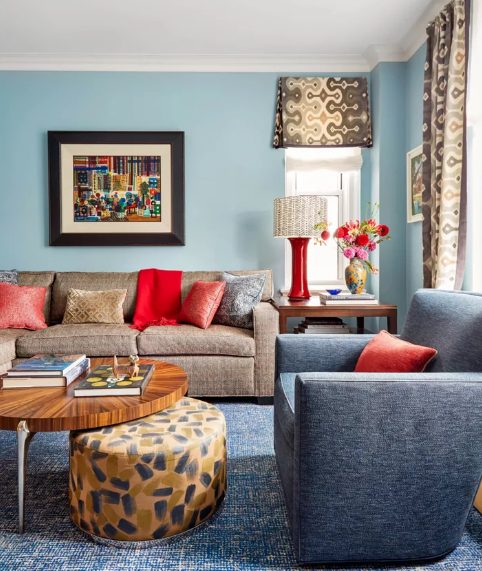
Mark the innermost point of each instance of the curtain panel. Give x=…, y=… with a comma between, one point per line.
x=322, y=112
x=444, y=194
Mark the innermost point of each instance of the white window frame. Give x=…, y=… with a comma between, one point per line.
x=349, y=192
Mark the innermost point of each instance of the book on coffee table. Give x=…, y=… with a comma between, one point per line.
x=46, y=366
x=46, y=380
x=101, y=382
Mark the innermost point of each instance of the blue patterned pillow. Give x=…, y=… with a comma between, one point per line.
x=242, y=293
x=9, y=277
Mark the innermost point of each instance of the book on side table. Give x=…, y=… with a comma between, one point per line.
x=102, y=382
x=46, y=371
x=348, y=298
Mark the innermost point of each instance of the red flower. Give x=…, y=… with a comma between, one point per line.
x=383, y=230
x=362, y=240
x=325, y=235
x=341, y=232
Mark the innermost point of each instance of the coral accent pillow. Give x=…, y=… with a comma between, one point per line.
x=388, y=354
x=22, y=307
x=201, y=303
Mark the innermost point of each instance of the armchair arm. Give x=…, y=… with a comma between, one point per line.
x=384, y=451
x=305, y=353
x=266, y=327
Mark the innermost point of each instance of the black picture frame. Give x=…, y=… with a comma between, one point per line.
x=175, y=237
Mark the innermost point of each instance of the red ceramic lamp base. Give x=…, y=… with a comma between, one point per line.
x=299, y=275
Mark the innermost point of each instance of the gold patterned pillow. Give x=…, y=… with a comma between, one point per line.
x=95, y=306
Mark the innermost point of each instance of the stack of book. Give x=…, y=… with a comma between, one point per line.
x=317, y=325
x=348, y=298
x=46, y=371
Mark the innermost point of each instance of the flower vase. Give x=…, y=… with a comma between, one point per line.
x=356, y=276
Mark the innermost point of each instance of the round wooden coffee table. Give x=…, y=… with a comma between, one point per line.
x=47, y=410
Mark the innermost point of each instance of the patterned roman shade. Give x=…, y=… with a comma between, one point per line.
x=322, y=112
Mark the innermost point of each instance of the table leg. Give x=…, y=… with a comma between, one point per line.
x=360, y=324
x=24, y=436
x=283, y=323
x=392, y=323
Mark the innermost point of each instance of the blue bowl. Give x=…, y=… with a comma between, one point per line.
x=333, y=291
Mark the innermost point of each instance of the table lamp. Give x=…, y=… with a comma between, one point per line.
x=295, y=218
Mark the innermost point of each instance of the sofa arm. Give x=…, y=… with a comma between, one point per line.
x=266, y=327
x=378, y=452
x=305, y=353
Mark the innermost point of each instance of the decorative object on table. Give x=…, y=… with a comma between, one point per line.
x=414, y=184
x=95, y=306
x=201, y=303
x=386, y=353
x=106, y=380
x=334, y=292
x=116, y=188
x=44, y=378
x=158, y=299
x=241, y=295
x=444, y=198
x=322, y=112
x=22, y=307
x=169, y=476
x=297, y=218
x=356, y=239
x=133, y=370
x=9, y=277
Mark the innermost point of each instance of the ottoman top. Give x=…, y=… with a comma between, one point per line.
x=188, y=424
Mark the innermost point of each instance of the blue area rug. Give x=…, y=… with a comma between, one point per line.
x=251, y=531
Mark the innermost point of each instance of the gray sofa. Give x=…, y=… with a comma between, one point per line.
x=220, y=361
x=381, y=467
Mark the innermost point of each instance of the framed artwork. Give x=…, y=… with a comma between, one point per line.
x=414, y=185
x=116, y=188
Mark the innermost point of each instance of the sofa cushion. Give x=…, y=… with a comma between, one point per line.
x=39, y=279
x=93, y=339
x=92, y=281
x=7, y=343
x=190, y=340
x=188, y=279
x=9, y=277
x=94, y=306
x=21, y=307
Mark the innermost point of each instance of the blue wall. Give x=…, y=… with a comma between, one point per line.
x=413, y=138
x=388, y=179
x=232, y=172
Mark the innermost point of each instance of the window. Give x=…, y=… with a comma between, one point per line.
x=334, y=174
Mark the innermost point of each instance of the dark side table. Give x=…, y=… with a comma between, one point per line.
x=313, y=308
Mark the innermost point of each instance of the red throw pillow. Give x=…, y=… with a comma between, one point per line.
x=388, y=354
x=21, y=307
x=201, y=303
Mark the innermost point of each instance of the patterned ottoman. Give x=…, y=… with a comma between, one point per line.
x=150, y=478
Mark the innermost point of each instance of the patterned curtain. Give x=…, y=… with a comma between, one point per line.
x=444, y=167
x=322, y=112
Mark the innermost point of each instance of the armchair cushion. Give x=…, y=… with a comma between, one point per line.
x=388, y=354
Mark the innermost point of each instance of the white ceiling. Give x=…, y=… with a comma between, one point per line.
x=197, y=34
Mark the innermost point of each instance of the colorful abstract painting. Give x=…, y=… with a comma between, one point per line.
x=117, y=188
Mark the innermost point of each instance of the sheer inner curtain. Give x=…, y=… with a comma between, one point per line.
x=444, y=148
x=474, y=151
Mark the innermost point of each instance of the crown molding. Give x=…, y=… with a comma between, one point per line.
x=417, y=36
x=183, y=62
x=379, y=53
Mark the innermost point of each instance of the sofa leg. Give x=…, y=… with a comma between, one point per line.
x=265, y=400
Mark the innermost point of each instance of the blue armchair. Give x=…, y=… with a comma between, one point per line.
x=381, y=467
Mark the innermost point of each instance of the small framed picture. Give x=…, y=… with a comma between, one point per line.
x=116, y=188
x=414, y=184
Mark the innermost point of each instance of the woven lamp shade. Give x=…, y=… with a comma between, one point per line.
x=296, y=216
